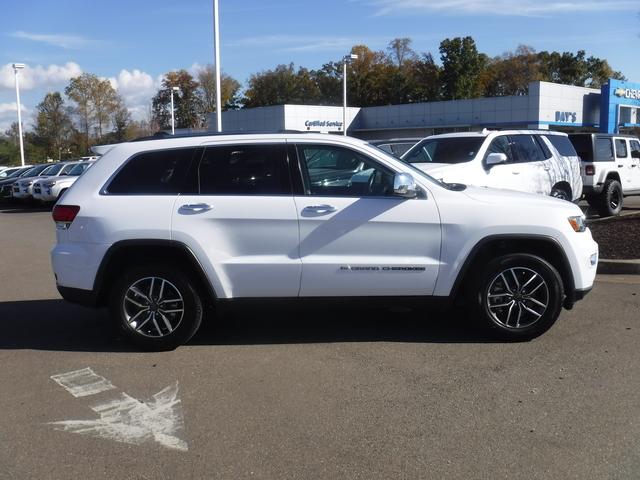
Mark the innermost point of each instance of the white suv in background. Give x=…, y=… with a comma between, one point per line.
x=51, y=189
x=533, y=161
x=610, y=169
x=159, y=229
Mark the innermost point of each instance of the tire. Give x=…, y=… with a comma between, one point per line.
x=160, y=325
x=519, y=281
x=610, y=199
x=560, y=193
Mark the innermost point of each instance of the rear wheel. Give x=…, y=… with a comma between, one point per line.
x=611, y=199
x=518, y=296
x=156, y=307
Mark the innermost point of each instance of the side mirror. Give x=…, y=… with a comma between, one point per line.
x=404, y=186
x=496, y=159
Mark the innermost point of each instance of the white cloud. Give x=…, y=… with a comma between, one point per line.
x=55, y=39
x=38, y=76
x=499, y=7
x=137, y=88
x=9, y=114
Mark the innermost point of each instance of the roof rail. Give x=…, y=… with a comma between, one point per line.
x=165, y=135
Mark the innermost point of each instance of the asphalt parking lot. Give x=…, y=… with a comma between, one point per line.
x=322, y=394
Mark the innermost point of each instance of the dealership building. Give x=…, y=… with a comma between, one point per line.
x=612, y=108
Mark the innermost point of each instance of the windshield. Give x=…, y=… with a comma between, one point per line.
x=416, y=170
x=11, y=173
x=444, y=150
x=67, y=168
x=78, y=169
x=52, y=170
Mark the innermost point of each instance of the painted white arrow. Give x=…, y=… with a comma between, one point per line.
x=125, y=419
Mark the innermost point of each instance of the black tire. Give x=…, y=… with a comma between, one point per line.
x=160, y=315
x=561, y=193
x=545, y=288
x=610, y=199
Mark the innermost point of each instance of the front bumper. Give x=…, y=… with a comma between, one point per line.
x=575, y=296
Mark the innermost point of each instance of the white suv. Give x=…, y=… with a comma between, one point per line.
x=531, y=161
x=52, y=188
x=159, y=229
x=610, y=169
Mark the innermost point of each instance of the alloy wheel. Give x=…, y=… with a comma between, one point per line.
x=153, y=307
x=517, y=297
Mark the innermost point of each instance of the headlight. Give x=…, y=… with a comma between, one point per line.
x=577, y=223
x=49, y=184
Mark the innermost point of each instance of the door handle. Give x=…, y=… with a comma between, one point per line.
x=196, y=207
x=319, y=209
x=547, y=168
x=633, y=165
x=620, y=166
x=516, y=173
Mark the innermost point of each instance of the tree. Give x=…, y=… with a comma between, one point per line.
x=511, y=73
x=400, y=51
x=426, y=79
x=281, y=85
x=461, y=68
x=95, y=101
x=187, y=102
x=53, y=127
x=229, y=88
x=121, y=121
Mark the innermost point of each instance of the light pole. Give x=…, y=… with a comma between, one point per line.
x=16, y=67
x=345, y=60
x=173, y=126
x=216, y=47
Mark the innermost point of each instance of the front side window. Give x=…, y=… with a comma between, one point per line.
x=502, y=144
x=621, y=148
x=445, y=150
x=341, y=172
x=161, y=172
x=244, y=170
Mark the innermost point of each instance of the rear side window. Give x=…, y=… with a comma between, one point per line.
x=161, y=172
x=604, y=150
x=562, y=145
x=635, y=148
x=244, y=170
x=526, y=148
x=621, y=148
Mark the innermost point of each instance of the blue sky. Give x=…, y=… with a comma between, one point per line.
x=134, y=42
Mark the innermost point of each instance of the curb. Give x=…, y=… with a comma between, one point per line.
x=619, y=267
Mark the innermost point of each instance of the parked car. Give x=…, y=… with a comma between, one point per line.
x=9, y=170
x=610, y=169
x=395, y=146
x=23, y=188
x=52, y=188
x=533, y=161
x=158, y=230
x=6, y=185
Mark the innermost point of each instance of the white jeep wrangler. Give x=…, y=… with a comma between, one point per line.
x=610, y=169
x=158, y=229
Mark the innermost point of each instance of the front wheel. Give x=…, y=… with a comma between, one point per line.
x=561, y=193
x=156, y=307
x=519, y=296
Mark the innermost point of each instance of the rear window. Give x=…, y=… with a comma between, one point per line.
x=445, y=150
x=562, y=145
x=161, y=172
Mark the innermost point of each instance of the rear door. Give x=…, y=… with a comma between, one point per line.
x=625, y=165
x=356, y=237
x=241, y=220
x=634, y=146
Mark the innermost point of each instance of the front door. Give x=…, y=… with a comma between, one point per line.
x=356, y=237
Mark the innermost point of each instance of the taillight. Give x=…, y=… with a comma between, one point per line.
x=64, y=215
x=590, y=170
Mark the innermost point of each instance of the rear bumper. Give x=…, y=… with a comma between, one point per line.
x=592, y=189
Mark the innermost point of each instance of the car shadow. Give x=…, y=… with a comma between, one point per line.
x=60, y=326
x=26, y=208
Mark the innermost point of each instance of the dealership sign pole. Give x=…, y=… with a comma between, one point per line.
x=216, y=42
x=346, y=59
